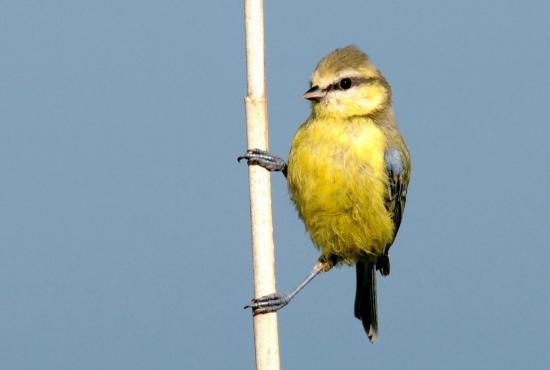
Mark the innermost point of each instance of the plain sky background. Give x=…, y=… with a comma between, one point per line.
x=124, y=224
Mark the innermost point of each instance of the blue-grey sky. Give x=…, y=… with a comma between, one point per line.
x=124, y=226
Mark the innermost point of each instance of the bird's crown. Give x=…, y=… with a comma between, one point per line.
x=347, y=60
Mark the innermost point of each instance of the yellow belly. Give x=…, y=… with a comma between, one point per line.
x=337, y=178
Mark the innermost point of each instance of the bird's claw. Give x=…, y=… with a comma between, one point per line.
x=268, y=303
x=263, y=159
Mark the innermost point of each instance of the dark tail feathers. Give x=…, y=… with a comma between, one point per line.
x=365, y=299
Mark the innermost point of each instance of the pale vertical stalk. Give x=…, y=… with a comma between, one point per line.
x=266, y=337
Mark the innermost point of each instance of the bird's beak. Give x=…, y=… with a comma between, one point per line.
x=315, y=94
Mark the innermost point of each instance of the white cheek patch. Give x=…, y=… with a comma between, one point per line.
x=336, y=100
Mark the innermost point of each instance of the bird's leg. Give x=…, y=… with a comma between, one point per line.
x=276, y=301
x=264, y=159
x=383, y=265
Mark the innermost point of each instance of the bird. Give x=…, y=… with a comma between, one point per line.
x=348, y=173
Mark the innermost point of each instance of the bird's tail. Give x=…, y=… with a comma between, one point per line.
x=365, y=299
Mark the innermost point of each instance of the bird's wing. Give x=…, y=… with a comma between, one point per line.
x=396, y=195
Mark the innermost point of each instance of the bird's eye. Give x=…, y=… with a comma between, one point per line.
x=345, y=83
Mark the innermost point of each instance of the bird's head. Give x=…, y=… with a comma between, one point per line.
x=346, y=84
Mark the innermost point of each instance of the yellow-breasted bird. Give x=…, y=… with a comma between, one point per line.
x=347, y=173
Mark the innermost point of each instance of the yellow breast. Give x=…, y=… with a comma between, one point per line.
x=337, y=179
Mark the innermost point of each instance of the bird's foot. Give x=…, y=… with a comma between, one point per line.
x=264, y=159
x=268, y=303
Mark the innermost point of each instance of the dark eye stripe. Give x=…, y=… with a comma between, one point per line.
x=355, y=81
